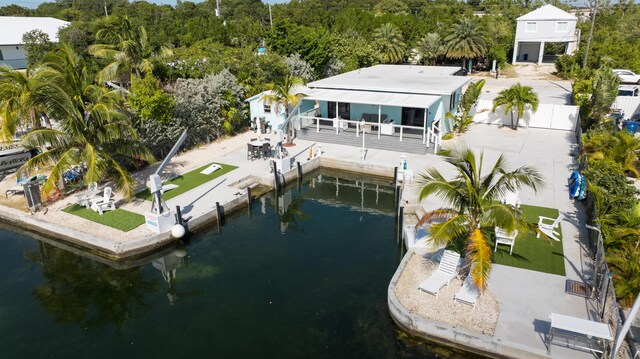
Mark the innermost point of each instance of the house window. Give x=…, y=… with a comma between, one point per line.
x=562, y=26
x=531, y=27
x=452, y=101
x=1, y=57
x=267, y=108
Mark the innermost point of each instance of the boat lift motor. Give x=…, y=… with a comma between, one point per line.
x=160, y=219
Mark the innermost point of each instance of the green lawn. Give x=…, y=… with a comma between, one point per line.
x=118, y=219
x=188, y=181
x=530, y=252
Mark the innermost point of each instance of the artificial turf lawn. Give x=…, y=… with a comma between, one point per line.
x=188, y=181
x=118, y=219
x=530, y=252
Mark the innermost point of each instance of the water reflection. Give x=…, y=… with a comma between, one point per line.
x=168, y=266
x=77, y=290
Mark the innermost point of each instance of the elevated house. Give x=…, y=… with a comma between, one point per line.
x=14, y=27
x=403, y=107
x=543, y=26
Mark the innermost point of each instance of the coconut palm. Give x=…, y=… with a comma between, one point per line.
x=390, y=43
x=92, y=128
x=18, y=106
x=285, y=94
x=126, y=44
x=466, y=40
x=516, y=98
x=430, y=47
x=474, y=209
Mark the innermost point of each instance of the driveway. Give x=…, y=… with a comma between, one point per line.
x=549, y=92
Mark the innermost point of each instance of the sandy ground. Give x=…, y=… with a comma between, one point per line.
x=181, y=163
x=482, y=319
x=528, y=71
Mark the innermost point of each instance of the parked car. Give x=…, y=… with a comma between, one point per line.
x=627, y=91
x=627, y=76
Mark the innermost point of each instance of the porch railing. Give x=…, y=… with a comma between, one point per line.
x=430, y=135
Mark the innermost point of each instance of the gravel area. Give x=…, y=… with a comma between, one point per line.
x=482, y=319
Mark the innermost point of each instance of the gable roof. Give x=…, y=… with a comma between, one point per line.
x=547, y=12
x=13, y=27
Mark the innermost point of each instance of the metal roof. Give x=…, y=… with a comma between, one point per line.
x=402, y=79
x=13, y=27
x=547, y=12
x=372, y=98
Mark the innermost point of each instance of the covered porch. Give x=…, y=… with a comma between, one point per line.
x=399, y=117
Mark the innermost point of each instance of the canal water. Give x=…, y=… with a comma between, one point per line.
x=302, y=275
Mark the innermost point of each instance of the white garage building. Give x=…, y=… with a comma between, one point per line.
x=547, y=24
x=11, y=30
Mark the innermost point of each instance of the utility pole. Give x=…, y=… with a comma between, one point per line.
x=106, y=13
x=217, y=8
x=270, y=18
x=594, y=9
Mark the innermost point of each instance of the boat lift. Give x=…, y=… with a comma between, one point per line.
x=160, y=219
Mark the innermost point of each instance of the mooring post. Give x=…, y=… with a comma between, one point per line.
x=275, y=174
x=218, y=215
x=395, y=175
x=400, y=223
x=249, y=199
x=178, y=215
x=299, y=171
x=398, y=195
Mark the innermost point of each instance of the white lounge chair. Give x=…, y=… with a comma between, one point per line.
x=512, y=198
x=104, y=204
x=468, y=293
x=88, y=197
x=549, y=226
x=506, y=238
x=447, y=269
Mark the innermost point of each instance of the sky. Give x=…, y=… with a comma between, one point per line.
x=35, y=3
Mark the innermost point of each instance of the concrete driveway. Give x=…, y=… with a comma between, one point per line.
x=549, y=92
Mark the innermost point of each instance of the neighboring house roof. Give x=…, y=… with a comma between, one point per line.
x=401, y=79
x=547, y=12
x=13, y=27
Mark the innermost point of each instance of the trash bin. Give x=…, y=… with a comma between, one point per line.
x=32, y=192
x=632, y=126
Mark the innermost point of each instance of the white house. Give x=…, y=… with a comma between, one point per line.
x=11, y=30
x=547, y=24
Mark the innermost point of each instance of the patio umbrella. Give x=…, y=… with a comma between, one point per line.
x=258, y=129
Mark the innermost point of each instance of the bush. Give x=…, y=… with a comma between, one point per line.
x=567, y=67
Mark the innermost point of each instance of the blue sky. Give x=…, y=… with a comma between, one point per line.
x=35, y=3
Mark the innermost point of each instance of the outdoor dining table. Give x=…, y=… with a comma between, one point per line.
x=257, y=147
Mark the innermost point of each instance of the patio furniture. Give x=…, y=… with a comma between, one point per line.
x=511, y=198
x=506, y=238
x=266, y=150
x=468, y=293
x=251, y=153
x=549, y=225
x=105, y=203
x=578, y=333
x=447, y=269
x=85, y=199
x=386, y=128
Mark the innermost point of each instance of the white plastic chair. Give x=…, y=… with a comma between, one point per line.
x=447, y=269
x=506, y=238
x=105, y=203
x=549, y=225
x=512, y=198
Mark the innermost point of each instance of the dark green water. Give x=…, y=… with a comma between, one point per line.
x=304, y=276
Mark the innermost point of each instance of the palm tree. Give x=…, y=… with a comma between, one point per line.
x=18, y=106
x=390, y=43
x=474, y=209
x=620, y=147
x=126, y=44
x=466, y=41
x=430, y=47
x=518, y=98
x=284, y=94
x=92, y=128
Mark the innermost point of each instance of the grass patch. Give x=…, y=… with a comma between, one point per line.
x=530, y=252
x=188, y=181
x=118, y=219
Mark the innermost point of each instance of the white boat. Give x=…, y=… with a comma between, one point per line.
x=13, y=158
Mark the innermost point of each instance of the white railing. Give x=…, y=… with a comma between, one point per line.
x=429, y=135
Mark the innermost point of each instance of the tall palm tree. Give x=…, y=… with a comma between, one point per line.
x=126, y=44
x=285, y=94
x=518, y=98
x=390, y=43
x=430, y=47
x=466, y=40
x=474, y=209
x=92, y=128
x=18, y=106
